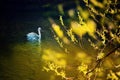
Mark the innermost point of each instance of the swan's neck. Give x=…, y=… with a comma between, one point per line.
x=39, y=34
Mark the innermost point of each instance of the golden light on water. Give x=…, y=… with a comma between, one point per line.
x=54, y=56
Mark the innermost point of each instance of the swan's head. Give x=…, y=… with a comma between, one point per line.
x=39, y=29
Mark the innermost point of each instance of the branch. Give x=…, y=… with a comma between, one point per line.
x=100, y=60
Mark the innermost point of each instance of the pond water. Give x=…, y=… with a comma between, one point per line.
x=19, y=59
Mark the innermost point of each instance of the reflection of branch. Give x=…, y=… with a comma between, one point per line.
x=100, y=60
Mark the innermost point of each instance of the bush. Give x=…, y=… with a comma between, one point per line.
x=90, y=44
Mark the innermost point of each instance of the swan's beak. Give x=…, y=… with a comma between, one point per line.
x=42, y=30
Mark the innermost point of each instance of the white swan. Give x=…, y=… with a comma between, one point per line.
x=34, y=37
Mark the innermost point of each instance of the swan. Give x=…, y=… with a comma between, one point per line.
x=34, y=37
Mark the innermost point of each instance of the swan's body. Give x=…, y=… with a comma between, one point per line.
x=34, y=37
